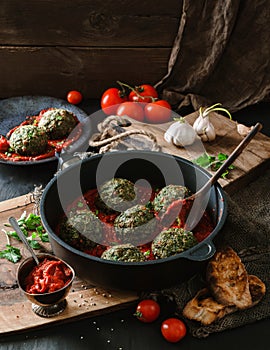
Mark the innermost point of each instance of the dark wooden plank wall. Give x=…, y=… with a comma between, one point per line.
x=49, y=47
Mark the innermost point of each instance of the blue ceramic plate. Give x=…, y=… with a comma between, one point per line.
x=14, y=110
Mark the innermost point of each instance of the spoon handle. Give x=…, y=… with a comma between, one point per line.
x=238, y=150
x=13, y=222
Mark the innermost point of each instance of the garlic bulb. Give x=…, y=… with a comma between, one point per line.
x=202, y=125
x=180, y=133
x=204, y=128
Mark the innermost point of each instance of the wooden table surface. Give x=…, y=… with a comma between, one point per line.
x=120, y=329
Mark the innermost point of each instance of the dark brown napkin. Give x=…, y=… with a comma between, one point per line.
x=251, y=240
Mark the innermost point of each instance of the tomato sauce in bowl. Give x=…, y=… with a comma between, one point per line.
x=49, y=276
x=47, y=284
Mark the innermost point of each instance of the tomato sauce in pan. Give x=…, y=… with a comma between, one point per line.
x=202, y=230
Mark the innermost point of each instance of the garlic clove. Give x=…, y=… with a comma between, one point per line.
x=242, y=129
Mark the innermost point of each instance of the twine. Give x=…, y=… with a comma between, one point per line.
x=112, y=134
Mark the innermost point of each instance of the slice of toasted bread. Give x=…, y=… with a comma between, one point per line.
x=257, y=289
x=203, y=308
x=227, y=279
x=206, y=310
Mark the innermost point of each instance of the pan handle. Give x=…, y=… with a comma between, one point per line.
x=204, y=252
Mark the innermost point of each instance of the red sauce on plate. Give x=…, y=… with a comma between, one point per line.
x=53, y=145
x=47, y=277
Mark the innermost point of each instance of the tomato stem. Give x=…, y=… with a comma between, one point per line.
x=153, y=99
x=137, y=314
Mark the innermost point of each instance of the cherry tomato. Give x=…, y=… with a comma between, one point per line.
x=74, y=97
x=143, y=90
x=111, y=99
x=158, y=112
x=132, y=109
x=173, y=330
x=147, y=310
x=4, y=144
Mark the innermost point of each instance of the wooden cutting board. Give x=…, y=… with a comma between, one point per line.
x=16, y=313
x=252, y=162
x=86, y=301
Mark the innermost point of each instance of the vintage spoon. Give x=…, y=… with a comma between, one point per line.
x=236, y=152
x=199, y=206
x=13, y=222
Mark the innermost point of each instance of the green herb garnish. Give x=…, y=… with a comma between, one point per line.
x=213, y=162
x=33, y=230
x=11, y=253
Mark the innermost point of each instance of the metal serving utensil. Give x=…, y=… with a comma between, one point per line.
x=14, y=223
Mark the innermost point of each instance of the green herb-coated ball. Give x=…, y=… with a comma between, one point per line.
x=167, y=195
x=115, y=195
x=82, y=229
x=58, y=123
x=135, y=225
x=123, y=252
x=172, y=241
x=28, y=140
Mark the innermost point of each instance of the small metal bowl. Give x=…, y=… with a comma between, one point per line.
x=44, y=304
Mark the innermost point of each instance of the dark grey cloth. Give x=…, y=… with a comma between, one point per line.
x=247, y=231
x=221, y=54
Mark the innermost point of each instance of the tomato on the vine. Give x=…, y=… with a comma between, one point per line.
x=4, y=144
x=173, y=329
x=147, y=310
x=111, y=99
x=133, y=110
x=158, y=112
x=143, y=93
x=74, y=97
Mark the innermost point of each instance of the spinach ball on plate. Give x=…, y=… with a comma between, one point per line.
x=82, y=229
x=28, y=140
x=58, y=123
x=115, y=195
x=123, y=252
x=172, y=241
x=136, y=225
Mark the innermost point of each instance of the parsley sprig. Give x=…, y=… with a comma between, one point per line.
x=11, y=253
x=213, y=162
x=33, y=230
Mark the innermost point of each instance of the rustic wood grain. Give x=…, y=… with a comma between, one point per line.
x=252, y=162
x=18, y=316
x=53, y=71
x=51, y=47
x=89, y=23
x=15, y=310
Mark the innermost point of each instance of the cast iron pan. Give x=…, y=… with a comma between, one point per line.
x=132, y=165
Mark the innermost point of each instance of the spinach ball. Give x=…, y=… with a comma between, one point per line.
x=28, y=140
x=123, y=252
x=166, y=196
x=57, y=123
x=136, y=225
x=172, y=241
x=82, y=229
x=115, y=195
